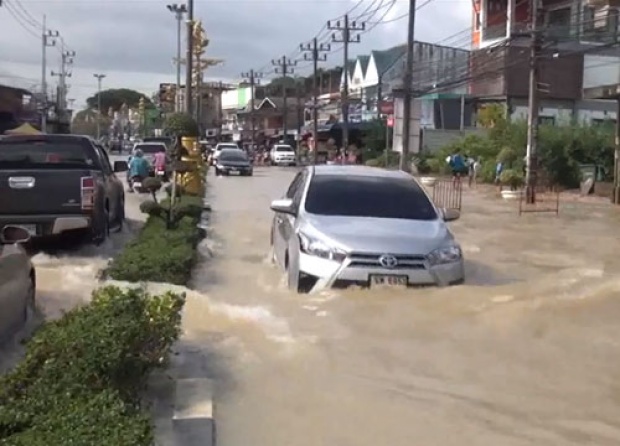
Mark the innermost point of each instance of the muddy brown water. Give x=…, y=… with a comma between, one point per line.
x=525, y=353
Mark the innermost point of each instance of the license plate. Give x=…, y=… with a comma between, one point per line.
x=388, y=280
x=137, y=184
x=234, y=170
x=32, y=229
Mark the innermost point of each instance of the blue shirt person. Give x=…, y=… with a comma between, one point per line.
x=138, y=166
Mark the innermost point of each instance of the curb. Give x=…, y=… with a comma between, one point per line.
x=193, y=422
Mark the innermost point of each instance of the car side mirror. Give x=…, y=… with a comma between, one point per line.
x=120, y=166
x=284, y=206
x=450, y=214
x=14, y=234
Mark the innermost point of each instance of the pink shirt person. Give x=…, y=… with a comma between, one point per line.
x=160, y=160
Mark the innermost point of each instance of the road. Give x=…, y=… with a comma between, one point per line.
x=525, y=353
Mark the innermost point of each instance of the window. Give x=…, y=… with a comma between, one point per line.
x=290, y=193
x=362, y=196
x=284, y=149
x=595, y=122
x=41, y=154
x=151, y=148
x=233, y=155
x=559, y=22
x=105, y=161
x=546, y=120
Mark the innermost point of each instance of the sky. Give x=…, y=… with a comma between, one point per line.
x=133, y=42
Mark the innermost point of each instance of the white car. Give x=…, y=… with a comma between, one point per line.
x=283, y=154
x=221, y=146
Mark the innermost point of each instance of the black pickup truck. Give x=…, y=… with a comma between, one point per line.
x=52, y=184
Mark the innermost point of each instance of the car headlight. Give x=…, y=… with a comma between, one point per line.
x=317, y=248
x=448, y=254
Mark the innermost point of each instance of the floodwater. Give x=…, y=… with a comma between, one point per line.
x=525, y=353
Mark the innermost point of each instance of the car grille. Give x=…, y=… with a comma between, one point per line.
x=370, y=260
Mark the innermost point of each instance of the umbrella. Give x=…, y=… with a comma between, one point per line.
x=24, y=129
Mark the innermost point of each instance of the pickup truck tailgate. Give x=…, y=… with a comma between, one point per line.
x=41, y=191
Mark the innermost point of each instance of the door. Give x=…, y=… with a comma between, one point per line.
x=282, y=223
x=113, y=186
x=14, y=282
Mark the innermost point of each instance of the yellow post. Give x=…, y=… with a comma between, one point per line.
x=193, y=181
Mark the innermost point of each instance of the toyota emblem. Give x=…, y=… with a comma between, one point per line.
x=388, y=261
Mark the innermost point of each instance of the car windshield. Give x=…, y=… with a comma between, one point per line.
x=227, y=146
x=233, y=155
x=284, y=149
x=29, y=154
x=151, y=148
x=367, y=196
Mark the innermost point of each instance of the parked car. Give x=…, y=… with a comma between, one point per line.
x=17, y=281
x=221, y=146
x=233, y=161
x=357, y=225
x=52, y=184
x=283, y=155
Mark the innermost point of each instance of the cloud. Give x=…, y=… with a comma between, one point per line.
x=133, y=41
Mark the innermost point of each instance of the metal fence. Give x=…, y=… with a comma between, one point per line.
x=448, y=194
x=547, y=200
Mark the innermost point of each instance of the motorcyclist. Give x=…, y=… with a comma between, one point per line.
x=138, y=167
x=160, y=162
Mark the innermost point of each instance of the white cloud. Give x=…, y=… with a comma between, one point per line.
x=133, y=41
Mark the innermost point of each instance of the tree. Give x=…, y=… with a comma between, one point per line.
x=115, y=98
x=181, y=124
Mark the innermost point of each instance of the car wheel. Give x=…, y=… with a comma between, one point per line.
x=217, y=172
x=100, y=236
x=120, y=219
x=29, y=307
x=294, y=277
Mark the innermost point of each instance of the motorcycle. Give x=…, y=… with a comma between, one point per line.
x=135, y=184
x=161, y=174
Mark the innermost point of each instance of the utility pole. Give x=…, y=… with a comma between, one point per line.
x=66, y=59
x=252, y=77
x=533, y=105
x=48, y=39
x=408, y=99
x=345, y=27
x=316, y=51
x=188, y=59
x=178, y=11
x=284, y=66
x=99, y=78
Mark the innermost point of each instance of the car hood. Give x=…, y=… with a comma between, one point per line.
x=380, y=235
x=234, y=163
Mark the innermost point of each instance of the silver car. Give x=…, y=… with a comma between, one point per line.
x=17, y=281
x=355, y=225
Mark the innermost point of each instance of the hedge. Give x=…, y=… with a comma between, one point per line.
x=82, y=376
x=162, y=253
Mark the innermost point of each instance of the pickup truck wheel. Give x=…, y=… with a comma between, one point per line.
x=100, y=236
x=120, y=219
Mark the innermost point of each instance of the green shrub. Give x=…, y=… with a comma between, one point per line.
x=82, y=376
x=163, y=251
x=511, y=178
x=181, y=124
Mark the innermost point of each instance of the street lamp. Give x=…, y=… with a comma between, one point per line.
x=178, y=11
x=99, y=78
